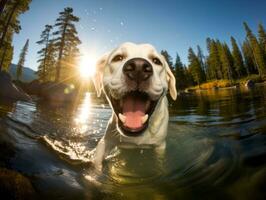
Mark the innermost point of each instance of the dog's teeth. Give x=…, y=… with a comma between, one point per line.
x=122, y=117
x=144, y=118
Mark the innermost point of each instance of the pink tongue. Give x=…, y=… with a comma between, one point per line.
x=134, y=110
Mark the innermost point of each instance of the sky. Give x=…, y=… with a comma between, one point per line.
x=173, y=25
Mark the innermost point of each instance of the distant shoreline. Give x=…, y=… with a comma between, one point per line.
x=226, y=84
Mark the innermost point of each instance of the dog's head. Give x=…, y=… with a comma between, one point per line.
x=134, y=78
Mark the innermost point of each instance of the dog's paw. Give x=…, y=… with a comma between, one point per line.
x=98, y=166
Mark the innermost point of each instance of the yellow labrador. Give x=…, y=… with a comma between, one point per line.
x=135, y=79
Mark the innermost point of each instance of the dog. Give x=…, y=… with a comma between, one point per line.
x=135, y=79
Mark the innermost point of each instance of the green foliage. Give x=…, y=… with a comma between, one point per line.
x=249, y=58
x=47, y=63
x=262, y=38
x=195, y=67
x=46, y=56
x=6, y=55
x=179, y=73
x=258, y=55
x=238, y=59
x=227, y=61
x=201, y=58
x=168, y=59
x=21, y=61
x=214, y=63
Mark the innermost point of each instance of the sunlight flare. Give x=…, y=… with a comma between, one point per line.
x=87, y=66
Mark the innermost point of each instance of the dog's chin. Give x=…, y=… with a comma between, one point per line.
x=133, y=111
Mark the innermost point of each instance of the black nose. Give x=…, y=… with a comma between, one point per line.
x=138, y=69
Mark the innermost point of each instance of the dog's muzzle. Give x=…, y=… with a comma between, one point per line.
x=137, y=70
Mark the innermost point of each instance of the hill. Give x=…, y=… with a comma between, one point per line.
x=27, y=76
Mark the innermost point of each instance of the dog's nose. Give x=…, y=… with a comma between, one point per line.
x=138, y=69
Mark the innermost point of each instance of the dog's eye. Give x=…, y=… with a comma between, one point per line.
x=156, y=61
x=118, y=58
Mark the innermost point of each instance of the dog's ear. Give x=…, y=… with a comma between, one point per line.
x=98, y=76
x=171, y=80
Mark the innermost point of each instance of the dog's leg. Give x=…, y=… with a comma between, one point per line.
x=105, y=145
x=160, y=153
x=99, y=154
x=160, y=150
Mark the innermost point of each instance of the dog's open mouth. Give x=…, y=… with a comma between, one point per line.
x=134, y=110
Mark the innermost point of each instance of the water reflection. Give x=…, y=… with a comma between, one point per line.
x=215, y=145
x=83, y=114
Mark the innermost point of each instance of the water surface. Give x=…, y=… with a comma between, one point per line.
x=216, y=148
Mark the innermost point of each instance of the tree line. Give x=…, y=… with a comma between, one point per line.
x=222, y=62
x=59, y=51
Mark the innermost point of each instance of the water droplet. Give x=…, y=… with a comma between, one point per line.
x=92, y=28
x=122, y=23
x=141, y=151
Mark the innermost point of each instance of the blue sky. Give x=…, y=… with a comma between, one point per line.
x=174, y=25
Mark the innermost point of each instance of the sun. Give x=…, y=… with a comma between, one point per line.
x=87, y=65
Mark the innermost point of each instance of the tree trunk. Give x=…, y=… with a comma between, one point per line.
x=7, y=26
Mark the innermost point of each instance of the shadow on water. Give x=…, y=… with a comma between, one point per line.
x=215, y=149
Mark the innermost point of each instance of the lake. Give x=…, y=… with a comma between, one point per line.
x=216, y=148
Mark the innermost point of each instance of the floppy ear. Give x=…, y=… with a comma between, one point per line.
x=171, y=80
x=98, y=77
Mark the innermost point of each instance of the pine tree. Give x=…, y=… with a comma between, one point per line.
x=201, y=58
x=188, y=76
x=195, y=67
x=248, y=58
x=227, y=61
x=44, y=63
x=179, y=73
x=262, y=38
x=10, y=24
x=214, y=68
x=66, y=40
x=238, y=59
x=257, y=52
x=46, y=68
x=21, y=61
x=168, y=59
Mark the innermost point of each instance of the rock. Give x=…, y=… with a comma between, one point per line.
x=51, y=91
x=215, y=87
x=9, y=90
x=59, y=92
x=33, y=88
x=250, y=83
x=14, y=185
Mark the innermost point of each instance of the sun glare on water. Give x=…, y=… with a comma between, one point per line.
x=87, y=66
